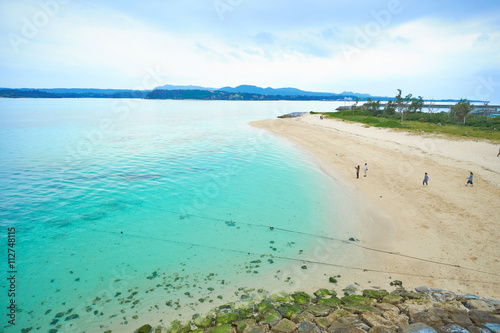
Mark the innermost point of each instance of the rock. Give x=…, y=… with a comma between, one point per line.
x=177, y=327
x=439, y=295
x=241, y=325
x=281, y=298
x=476, y=304
x=284, y=326
x=393, y=317
x=376, y=294
x=427, y=317
x=387, y=307
x=322, y=293
x=246, y=313
x=305, y=316
x=374, y=320
x=226, y=328
x=144, y=329
x=301, y=297
x=350, y=290
x=476, y=329
x=272, y=317
x=289, y=310
x=257, y=329
x=381, y=329
x=308, y=327
x=422, y=290
x=319, y=310
x=358, y=309
x=452, y=328
x=461, y=319
x=339, y=313
x=453, y=306
x=493, y=327
x=417, y=328
x=356, y=299
x=264, y=306
x=483, y=317
x=225, y=318
x=392, y=299
x=323, y=322
x=345, y=330
x=202, y=322
x=331, y=302
x=351, y=321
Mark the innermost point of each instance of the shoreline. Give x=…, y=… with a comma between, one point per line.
x=445, y=225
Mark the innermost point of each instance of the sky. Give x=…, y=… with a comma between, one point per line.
x=431, y=48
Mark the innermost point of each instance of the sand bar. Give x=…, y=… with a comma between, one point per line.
x=445, y=223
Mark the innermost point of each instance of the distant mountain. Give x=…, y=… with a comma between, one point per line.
x=279, y=91
x=360, y=96
x=190, y=87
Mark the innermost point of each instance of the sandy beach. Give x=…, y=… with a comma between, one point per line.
x=444, y=235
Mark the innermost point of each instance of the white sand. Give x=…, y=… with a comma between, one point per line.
x=444, y=222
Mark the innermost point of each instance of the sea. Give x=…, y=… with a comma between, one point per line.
x=115, y=213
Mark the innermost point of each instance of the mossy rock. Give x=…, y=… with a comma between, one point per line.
x=289, y=310
x=332, y=279
x=281, y=298
x=240, y=326
x=331, y=302
x=264, y=306
x=144, y=329
x=356, y=299
x=322, y=293
x=323, y=322
x=339, y=313
x=319, y=310
x=226, y=328
x=360, y=308
x=272, y=317
x=202, y=322
x=376, y=294
x=177, y=327
x=226, y=318
x=246, y=313
x=301, y=297
x=392, y=299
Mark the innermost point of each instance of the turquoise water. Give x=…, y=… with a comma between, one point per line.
x=154, y=209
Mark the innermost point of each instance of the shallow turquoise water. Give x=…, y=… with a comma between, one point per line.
x=150, y=208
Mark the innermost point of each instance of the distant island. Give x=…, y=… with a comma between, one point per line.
x=175, y=92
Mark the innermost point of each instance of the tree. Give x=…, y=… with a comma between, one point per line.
x=355, y=105
x=390, y=107
x=402, y=105
x=462, y=109
x=431, y=106
x=487, y=111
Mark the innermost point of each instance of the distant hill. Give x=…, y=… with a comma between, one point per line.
x=72, y=93
x=241, y=96
x=190, y=87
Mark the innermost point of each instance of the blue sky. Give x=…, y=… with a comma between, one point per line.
x=436, y=49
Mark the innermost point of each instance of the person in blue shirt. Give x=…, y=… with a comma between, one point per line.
x=426, y=180
x=469, y=180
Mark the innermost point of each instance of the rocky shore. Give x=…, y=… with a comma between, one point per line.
x=370, y=310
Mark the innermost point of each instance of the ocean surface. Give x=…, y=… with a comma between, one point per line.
x=135, y=211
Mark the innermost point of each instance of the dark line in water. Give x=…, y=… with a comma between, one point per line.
x=342, y=241
x=286, y=258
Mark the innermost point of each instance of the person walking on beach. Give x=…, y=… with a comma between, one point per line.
x=357, y=171
x=426, y=180
x=498, y=153
x=366, y=168
x=469, y=180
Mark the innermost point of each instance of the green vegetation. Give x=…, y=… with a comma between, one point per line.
x=406, y=113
